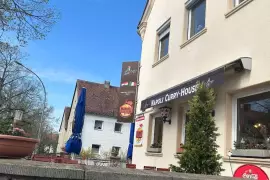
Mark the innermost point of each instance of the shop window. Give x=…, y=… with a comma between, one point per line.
x=196, y=17
x=118, y=127
x=253, y=122
x=163, y=40
x=95, y=149
x=115, y=151
x=98, y=125
x=157, y=134
x=237, y=2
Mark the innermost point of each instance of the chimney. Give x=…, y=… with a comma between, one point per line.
x=107, y=84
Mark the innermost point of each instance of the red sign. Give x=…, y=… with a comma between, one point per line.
x=140, y=118
x=250, y=172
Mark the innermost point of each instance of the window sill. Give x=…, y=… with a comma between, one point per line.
x=154, y=154
x=98, y=129
x=247, y=160
x=193, y=38
x=177, y=154
x=160, y=61
x=237, y=8
x=119, y=132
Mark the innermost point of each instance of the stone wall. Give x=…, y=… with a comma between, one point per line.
x=30, y=170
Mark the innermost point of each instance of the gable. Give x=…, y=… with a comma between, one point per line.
x=146, y=12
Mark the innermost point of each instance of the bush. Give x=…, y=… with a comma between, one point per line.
x=200, y=149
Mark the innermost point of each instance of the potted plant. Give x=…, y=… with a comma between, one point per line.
x=155, y=148
x=180, y=150
x=14, y=141
x=246, y=148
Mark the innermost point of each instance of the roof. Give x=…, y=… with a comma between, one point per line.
x=100, y=100
x=52, y=136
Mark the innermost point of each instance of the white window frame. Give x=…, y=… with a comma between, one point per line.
x=189, y=22
x=234, y=108
x=237, y=2
x=98, y=148
x=118, y=150
x=153, y=130
x=120, y=129
x=183, y=134
x=190, y=18
x=101, y=125
x=162, y=32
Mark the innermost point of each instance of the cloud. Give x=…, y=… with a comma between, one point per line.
x=66, y=75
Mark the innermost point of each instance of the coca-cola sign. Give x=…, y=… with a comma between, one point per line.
x=250, y=172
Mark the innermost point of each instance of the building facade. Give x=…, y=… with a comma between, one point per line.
x=63, y=129
x=223, y=43
x=101, y=131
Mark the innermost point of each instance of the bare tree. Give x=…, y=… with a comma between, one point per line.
x=28, y=19
x=20, y=90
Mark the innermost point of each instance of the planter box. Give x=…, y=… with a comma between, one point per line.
x=16, y=147
x=131, y=166
x=149, y=168
x=163, y=169
x=154, y=150
x=251, y=153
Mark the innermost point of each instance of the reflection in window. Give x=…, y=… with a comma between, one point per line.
x=95, y=148
x=254, y=122
x=196, y=18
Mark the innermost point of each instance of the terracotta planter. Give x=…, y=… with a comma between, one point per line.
x=16, y=147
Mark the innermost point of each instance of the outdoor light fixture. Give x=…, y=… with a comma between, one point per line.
x=18, y=115
x=166, y=114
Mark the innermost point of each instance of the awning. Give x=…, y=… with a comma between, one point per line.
x=186, y=89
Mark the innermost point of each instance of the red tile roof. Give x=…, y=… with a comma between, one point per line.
x=100, y=100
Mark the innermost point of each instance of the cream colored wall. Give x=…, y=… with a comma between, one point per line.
x=243, y=34
x=62, y=135
x=71, y=116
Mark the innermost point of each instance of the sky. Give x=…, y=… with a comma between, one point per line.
x=89, y=42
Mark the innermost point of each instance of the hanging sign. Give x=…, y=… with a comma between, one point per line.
x=249, y=171
x=128, y=89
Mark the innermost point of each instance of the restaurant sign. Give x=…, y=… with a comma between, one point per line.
x=128, y=89
x=184, y=90
x=249, y=171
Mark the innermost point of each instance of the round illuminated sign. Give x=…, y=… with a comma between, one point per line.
x=249, y=171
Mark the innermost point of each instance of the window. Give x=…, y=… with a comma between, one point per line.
x=196, y=18
x=118, y=127
x=95, y=148
x=185, y=129
x=98, y=125
x=157, y=133
x=237, y=2
x=115, y=151
x=253, y=122
x=163, y=36
x=164, y=46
